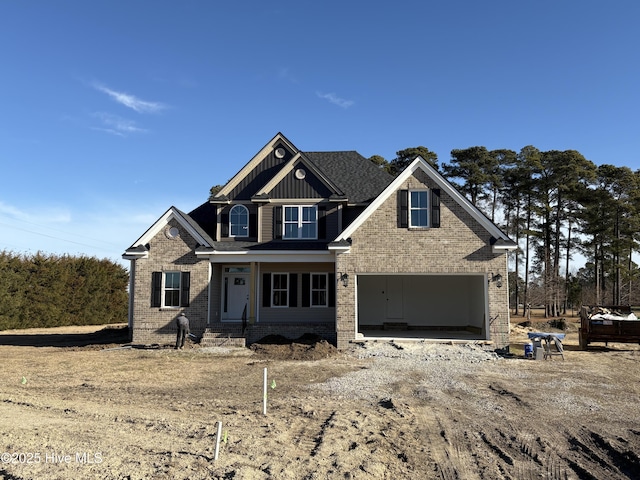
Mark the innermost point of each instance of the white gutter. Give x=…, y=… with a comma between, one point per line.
x=311, y=256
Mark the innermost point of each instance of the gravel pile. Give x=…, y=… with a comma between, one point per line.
x=429, y=366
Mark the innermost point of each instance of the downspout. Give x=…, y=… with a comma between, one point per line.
x=252, y=293
x=486, y=279
x=209, y=299
x=132, y=271
x=506, y=283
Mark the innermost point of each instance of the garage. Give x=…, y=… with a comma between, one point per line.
x=422, y=306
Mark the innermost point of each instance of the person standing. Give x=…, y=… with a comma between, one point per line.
x=183, y=330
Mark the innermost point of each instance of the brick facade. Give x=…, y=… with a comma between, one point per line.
x=379, y=247
x=153, y=325
x=459, y=246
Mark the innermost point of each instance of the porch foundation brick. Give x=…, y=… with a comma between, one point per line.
x=291, y=331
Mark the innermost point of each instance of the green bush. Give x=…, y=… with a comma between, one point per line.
x=49, y=291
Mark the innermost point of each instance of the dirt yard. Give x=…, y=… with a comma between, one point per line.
x=75, y=404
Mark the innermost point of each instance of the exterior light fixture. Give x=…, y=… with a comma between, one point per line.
x=496, y=278
x=344, y=278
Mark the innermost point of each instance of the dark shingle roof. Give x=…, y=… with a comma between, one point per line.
x=360, y=179
x=204, y=217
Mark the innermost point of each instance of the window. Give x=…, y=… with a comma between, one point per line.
x=319, y=289
x=300, y=222
x=418, y=208
x=239, y=221
x=279, y=289
x=170, y=289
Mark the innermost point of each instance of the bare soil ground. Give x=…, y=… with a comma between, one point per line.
x=74, y=404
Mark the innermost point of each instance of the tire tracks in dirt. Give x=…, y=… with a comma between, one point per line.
x=596, y=455
x=462, y=447
x=344, y=441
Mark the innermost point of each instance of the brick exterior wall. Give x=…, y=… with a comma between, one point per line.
x=153, y=325
x=460, y=245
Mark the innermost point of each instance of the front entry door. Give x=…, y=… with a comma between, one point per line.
x=235, y=296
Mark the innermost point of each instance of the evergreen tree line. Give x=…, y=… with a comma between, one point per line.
x=49, y=291
x=557, y=206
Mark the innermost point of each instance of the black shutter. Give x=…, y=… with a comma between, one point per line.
x=322, y=222
x=185, y=286
x=403, y=208
x=435, y=208
x=253, y=225
x=266, y=289
x=332, y=289
x=277, y=222
x=156, y=289
x=293, y=289
x=224, y=225
x=306, y=289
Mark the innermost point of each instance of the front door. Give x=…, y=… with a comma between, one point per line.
x=235, y=296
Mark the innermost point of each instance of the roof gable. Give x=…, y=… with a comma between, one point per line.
x=347, y=174
x=260, y=169
x=505, y=242
x=172, y=213
x=300, y=169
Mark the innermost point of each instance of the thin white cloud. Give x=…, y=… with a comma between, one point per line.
x=110, y=131
x=44, y=216
x=285, y=74
x=131, y=101
x=117, y=125
x=333, y=98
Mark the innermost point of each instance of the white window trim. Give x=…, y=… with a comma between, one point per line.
x=163, y=304
x=300, y=222
x=326, y=290
x=246, y=210
x=273, y=289
x=410, y=209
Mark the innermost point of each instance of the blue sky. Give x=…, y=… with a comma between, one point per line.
x=112, y=111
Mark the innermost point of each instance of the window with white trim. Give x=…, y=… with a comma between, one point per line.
x=319, y=283
x=279, y=289
x=171, y=289
x=418, y=208
x=239, y=221
x=300, y=222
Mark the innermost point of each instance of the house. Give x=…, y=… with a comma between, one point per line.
x=324, y=243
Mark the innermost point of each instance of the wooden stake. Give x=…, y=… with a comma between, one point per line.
x=264, y=401
x=215, y=457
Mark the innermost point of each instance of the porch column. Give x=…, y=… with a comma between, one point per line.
x=252, y=294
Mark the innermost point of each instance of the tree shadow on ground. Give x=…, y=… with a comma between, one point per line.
x=105, y=336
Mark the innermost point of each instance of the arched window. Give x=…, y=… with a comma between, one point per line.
x=239, y=221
